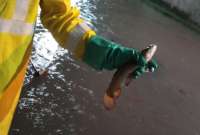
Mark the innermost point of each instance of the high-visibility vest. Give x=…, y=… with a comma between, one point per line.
x=17, y=21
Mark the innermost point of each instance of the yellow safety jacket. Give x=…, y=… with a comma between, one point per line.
x=17, y=21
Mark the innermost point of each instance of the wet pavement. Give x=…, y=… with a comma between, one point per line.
x=69, y=100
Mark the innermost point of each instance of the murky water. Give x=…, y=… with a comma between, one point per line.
x=68, y=101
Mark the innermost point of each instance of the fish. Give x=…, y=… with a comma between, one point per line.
x=123, y=76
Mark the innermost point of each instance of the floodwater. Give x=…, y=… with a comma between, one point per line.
x=68, y=101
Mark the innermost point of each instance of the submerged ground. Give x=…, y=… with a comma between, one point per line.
x=69, y=100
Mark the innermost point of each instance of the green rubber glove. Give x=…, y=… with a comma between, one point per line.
x=104, y=54
x=151, y=66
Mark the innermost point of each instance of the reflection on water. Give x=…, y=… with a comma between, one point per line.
x=52, y=100
x=87, y=8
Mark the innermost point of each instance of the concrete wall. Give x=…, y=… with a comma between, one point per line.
x=192, y=7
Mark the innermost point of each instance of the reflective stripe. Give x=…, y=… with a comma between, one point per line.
x=76, y=35
x=16, y=27
x=21, y=9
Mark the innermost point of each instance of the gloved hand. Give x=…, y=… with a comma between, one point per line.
x=151, y=66
x=104, y=54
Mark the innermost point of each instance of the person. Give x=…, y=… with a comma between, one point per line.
x=17, y=20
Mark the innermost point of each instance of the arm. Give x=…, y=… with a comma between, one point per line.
x=64, y=23
x=72, y=33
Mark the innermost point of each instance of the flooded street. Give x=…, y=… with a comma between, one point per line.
x=68, y=101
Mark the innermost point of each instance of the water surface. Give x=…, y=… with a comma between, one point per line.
x=69, y=100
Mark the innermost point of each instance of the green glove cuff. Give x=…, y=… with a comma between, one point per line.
x=104, y=54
